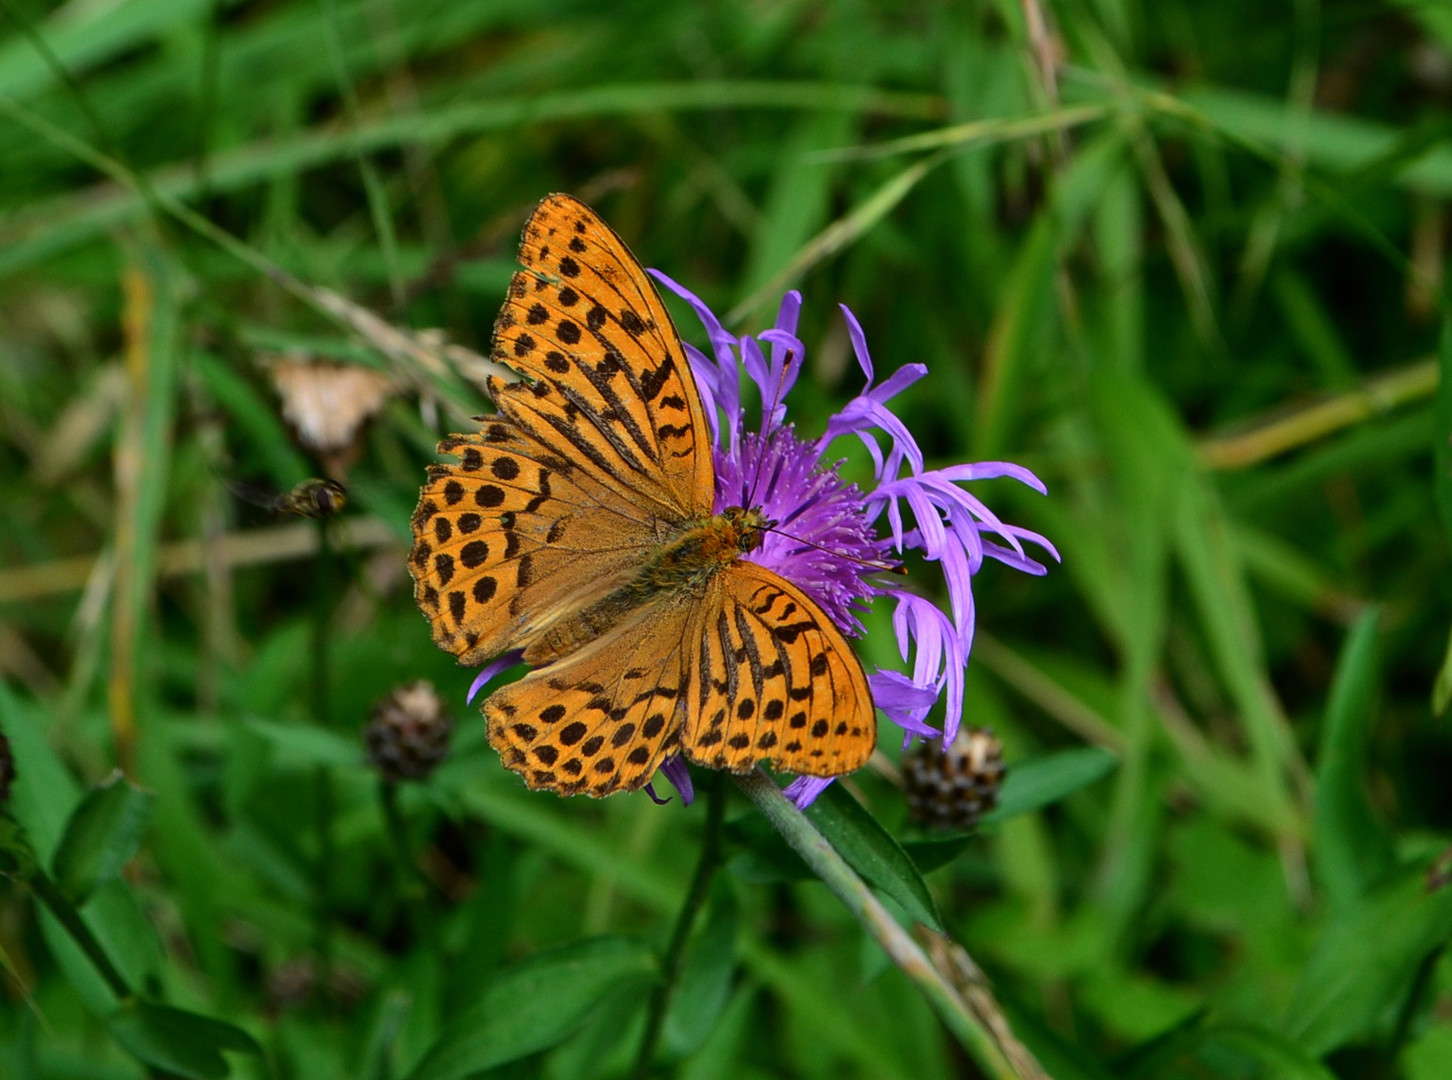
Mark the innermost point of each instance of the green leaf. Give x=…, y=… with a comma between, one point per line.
x=872, y=852
x=1149, y=1057
x=798, y=200
x=178, y=1041
x=1038, y=783
x=1022, y=323
x=1232, y=633
x=382, y=1036
x=1352, y=849
x=929, y=855
x=1364, y=959
x=1442, y=688
x=605, y=1046
x=765, y=858
x=103, y=833
x=534, y=1005
x=1060, y=1057
x=705, y=983
x=1282, y=1059
x=44, y=793
x=255, y=417
x=302, y=746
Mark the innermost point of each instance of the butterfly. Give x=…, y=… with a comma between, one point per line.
x=577, y=526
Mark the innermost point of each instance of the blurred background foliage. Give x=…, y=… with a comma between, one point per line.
x=1184, y=260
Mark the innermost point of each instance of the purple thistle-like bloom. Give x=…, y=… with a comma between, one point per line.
x=795, y=486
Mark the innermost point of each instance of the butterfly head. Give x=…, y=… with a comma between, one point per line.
x=746, y=527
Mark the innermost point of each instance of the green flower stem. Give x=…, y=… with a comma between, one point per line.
x=416, y=886
x=877, y=921
x=394, y=826
x=323, y=567
x=323, y=869
x=706, y=865
x=66, y=914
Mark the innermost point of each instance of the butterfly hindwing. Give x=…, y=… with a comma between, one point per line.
x=604, y=718
x=774, y=680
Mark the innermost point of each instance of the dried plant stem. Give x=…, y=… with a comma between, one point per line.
x=1297, y=427
x=274, y=543
x=1068, y=710
x=955, y=965
x=977, y=1026
x=127, y=598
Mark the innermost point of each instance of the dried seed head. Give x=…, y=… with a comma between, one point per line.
x=291, y=983
x=328, y=403
x=952, y=787
x=408, y=734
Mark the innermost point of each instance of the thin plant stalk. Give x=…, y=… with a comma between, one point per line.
x=65, y=913
x=700, y=888
x=322, y=775
x=859, y=899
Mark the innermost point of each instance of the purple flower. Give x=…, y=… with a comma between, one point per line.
x=798, y=487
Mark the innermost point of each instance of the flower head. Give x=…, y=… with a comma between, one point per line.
x=408, y=734
x=833, y=537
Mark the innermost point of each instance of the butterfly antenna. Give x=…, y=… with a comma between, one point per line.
x=768, y=411
x=871, y=564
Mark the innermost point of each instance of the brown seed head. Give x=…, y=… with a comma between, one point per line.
x=408, y=734
x=952, y=787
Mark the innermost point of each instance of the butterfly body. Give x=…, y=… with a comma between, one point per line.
x=703, y=549
x=578, y=527
x=681, y=569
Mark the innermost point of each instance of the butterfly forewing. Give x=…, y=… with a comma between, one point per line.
x=585, y=320
x=603, y=719
x=774, y=680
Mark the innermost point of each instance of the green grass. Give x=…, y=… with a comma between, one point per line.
x=1217, y=218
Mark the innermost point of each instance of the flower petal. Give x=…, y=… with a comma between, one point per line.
x=992, y=470
x=678, y=773
x=491, y=669
x=803, y=791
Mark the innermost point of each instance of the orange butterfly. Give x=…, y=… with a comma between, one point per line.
x=578, y=527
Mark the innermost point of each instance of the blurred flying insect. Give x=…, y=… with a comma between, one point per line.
x=313, y=498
